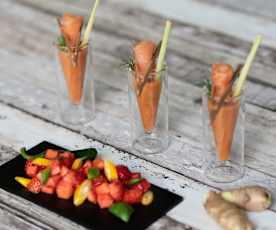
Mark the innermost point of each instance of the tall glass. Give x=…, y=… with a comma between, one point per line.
x=148, y=110
x=223, y=138
x=75, y=86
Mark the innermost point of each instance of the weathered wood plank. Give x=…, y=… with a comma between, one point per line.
x=241, y=19
x=39, y=98
x=28, y=131
x=196, y=43
x=180, y=67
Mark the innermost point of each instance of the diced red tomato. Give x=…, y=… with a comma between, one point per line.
x=144, y=186
x=116, y=190
x=35, y=185
x=99, y=180
x=64, y=190
x=123, y=173
x=87, y=165
x=64, y=170
x=70, y=177
x=31, y=169
x=79, y=178
x=104, y=200
x=67, y=158
x=98, y=163
x=135, y=175
x=55, y=167
x=102, y=188
x=47, y=189
x=51, y=154
x=92, y=197
x=132, y=196
x=53, y=181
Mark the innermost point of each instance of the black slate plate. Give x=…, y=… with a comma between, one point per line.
x=88, y=215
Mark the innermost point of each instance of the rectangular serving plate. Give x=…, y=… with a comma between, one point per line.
x=87, y=215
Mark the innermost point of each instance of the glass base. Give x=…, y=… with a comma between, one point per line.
x=76, y=115
x=224, y=172
x=150, y=143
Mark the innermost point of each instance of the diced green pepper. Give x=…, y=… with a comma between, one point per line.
x=134, y=181
x=26, y=156
x=93, y=173
x=121, y=210
x=45, y=175
x=86, y=153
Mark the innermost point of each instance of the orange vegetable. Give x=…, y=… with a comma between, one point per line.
x=224, y=121
x=148, y=94
x=73, y=59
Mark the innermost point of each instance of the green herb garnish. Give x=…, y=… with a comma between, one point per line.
x=93, y=173
x=134, y=181
x=61, y=41
x=128, y=64
x=45, y=175
x=207, y=84
x=26, y=156
x=90, y=153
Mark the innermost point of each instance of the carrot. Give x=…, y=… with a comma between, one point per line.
x=70, y=27
x=224, y=122
x=149, y=94
x=73, y=60
x=74, y=74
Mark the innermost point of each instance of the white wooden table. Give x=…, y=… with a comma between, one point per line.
x=28, y=103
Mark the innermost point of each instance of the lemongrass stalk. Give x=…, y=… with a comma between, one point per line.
x=249, y=60
x=90, y=24
x=163, y=49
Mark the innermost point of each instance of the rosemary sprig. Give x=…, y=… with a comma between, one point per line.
x=207, y=84
x=128, y=64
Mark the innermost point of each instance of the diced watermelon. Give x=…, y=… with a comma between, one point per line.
x=64, y=190
x=98, y=163
x=116, y=190
x=53, y=181
x=51, y=154
x=132, y=196
x=70, y=177
x=87, y=165
x=64, y=170
x=55, y=167
x=92, y=197
x=102, y=188
x=104, y=200
x=47, y=189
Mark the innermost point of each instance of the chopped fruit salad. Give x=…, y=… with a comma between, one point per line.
x=81, y=175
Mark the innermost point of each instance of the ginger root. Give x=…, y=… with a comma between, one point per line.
x=227, y=214
x=250, y=198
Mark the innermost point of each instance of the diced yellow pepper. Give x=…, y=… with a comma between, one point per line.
x=81, y=193
x=110, y=170
x=41, y=161
x=22, y=180
x=147, y=198
x=77, y=164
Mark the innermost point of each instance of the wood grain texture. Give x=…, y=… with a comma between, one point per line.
x=37, y=90
x=34, y=130
x=27, y=82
